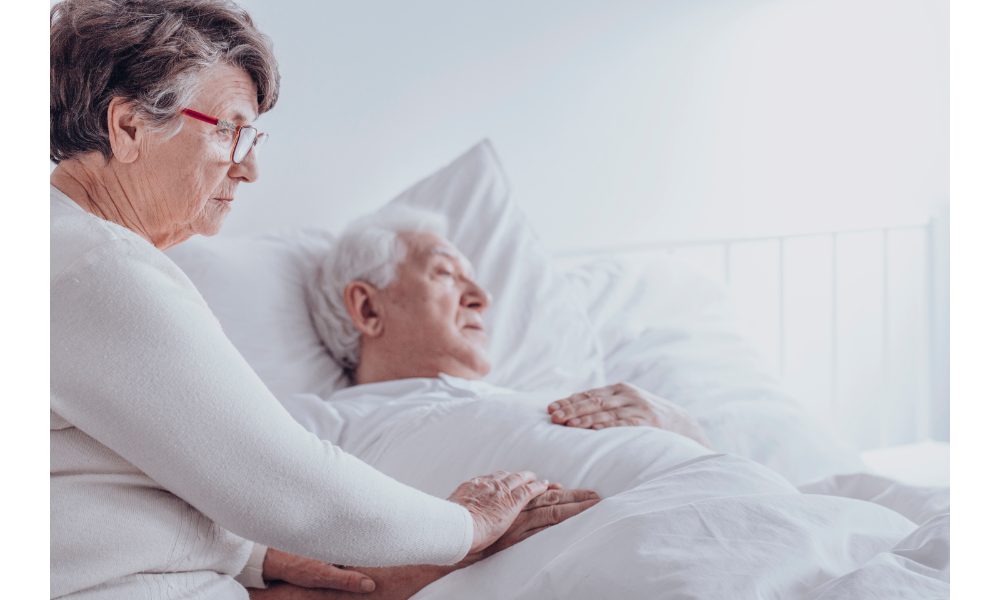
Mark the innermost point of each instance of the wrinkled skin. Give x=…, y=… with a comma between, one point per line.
x=553, y=506
x=494, y=501
x=428, y=320
x=623, y=405
x=167, y=188
x=309, y=573
x=310, y=579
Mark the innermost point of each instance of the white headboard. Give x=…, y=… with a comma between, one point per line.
x=847, y=318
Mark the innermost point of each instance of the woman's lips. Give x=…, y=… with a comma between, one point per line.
x=224, y=199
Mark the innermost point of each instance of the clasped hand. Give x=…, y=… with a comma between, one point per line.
x=506, y=508
x=494, y=501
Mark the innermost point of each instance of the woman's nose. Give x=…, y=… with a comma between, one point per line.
x=247, y=169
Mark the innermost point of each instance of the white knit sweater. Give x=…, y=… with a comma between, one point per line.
x=168, y=452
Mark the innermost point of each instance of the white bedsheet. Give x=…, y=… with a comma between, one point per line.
x=673, y=330
x=677, y=521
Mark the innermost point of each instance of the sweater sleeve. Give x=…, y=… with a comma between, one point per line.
x=139, y=363
x=252, y=575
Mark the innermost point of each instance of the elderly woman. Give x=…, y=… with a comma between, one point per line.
x=167, y=452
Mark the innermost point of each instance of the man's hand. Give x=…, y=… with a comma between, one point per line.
x=494, y=501
x=622, y=405
x=309, y=573
x=552, y=507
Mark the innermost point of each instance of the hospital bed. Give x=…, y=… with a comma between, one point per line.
x=781, y=508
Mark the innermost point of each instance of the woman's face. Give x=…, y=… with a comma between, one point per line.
x=190, y=177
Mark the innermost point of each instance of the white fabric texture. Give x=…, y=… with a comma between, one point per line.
x=163, y=441
x=672, y=330
x=252, y=575
x=676, y=520
x=917, y=503
x=919, y=566
x=256, y=288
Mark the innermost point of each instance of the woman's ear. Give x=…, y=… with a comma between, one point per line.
x=362, y=304
x=124, y=133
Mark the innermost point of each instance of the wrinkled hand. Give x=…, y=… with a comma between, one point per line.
x=623, y=405
x=495, y=501
x=309, y=573
x=552, y=507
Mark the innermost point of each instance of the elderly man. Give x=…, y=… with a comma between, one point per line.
x=399, y=308
x=376, y=247
x=395, y=300
x=397, y=305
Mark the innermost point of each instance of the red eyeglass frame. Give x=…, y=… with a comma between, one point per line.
x=230, y=126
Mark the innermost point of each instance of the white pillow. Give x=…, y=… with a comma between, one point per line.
x=540, y=337
x=256, y=287
x=671, y=329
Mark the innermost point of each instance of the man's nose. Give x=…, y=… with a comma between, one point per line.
x=476, y=298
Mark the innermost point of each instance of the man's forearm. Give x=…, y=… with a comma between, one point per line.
x=403, y=582
x=391, y=583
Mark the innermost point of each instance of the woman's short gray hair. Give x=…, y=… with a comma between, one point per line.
x=368, y=250
x=149, y=52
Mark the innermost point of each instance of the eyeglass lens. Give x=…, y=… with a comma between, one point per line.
x=243, y=143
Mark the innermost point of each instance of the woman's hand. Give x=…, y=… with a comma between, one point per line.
x=495, y=501
x=550, y=508
x=309, y=573
x=622, y=405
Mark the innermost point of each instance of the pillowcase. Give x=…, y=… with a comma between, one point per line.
x=673, y=330
x=540, y=336
x=256, y=287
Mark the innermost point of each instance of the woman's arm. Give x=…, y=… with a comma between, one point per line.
x=140, y=364
x=398, y=583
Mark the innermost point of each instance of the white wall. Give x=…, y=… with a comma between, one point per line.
x=617, y=121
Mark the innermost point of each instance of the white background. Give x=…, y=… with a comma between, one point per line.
x=617, y=121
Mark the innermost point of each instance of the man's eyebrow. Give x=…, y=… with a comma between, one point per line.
x=445, y=250
x=457, y=256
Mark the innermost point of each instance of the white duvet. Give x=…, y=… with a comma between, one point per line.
x=676, y=520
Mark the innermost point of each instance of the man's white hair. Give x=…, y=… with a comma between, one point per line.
x=368, y=250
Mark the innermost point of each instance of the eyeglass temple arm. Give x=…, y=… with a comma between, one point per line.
x=208, y=119
x=199, y=116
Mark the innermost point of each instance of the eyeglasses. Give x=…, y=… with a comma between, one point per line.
x=246, y=136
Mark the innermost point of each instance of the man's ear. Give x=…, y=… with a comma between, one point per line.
x=363, y=307
x=124, y=131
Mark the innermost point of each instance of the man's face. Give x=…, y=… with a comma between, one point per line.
x=433, y=310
